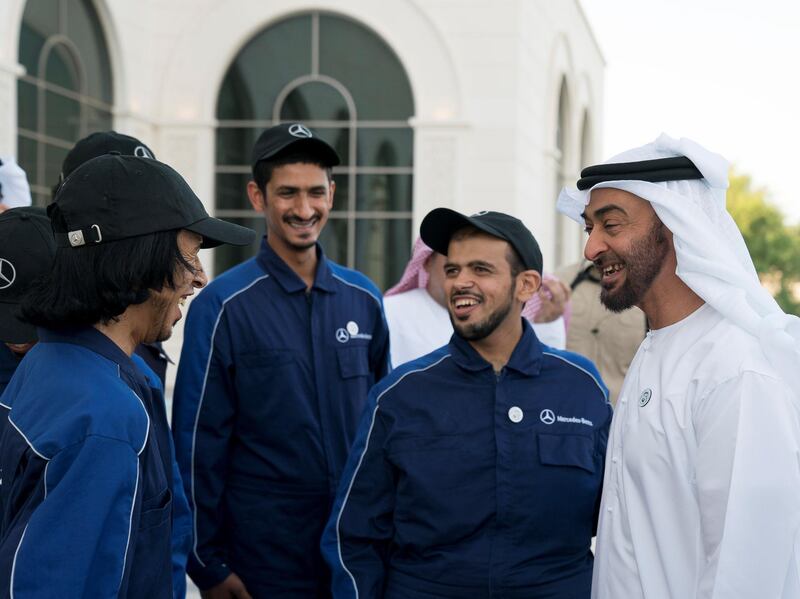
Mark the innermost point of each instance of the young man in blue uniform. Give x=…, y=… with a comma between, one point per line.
x=279, y=354
x=86, y=465
x=27, y=248
x=477, y=469
x=94, y=145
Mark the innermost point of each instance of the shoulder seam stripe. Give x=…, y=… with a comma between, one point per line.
x=200, y=406
x=364, y=289
x=147, y=432
x=14, y=563
x=581, y=368
x=36, y=451
x=361, y=459
x=130, y=528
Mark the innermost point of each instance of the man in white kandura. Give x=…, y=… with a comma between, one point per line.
x=701, y=497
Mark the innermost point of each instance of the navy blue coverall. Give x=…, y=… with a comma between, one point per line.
x=87, y=474
x=466, y=484
x=271, y=385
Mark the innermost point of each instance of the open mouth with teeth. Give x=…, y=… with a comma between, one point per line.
x=611, y=273
x=297, y=223
x=464, y=305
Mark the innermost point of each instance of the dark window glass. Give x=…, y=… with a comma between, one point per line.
x=366, y=66
x=62, y=117
x=385, y=147
x=384, y=193
x=26, y=106
x=334, y=240
x=66, y=91
x=314, y=100
x=227, y=256
x=383, y=249
x=267, y=64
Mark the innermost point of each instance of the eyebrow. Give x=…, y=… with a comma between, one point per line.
x=604, y=210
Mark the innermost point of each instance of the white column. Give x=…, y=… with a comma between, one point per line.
x=9, y=72
x=436, y=167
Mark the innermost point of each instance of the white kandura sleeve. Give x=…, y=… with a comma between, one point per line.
x=552, y=333
x=748, y=485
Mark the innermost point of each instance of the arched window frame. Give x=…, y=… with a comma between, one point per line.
x=345, y=208
x=40, y=184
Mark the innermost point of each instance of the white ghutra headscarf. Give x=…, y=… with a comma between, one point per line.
x=712, y=257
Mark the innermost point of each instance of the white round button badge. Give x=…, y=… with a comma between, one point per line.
x=515, y=414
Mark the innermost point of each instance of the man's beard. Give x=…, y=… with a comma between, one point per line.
x=481, y=330
x=643, y=262
x=162, y=327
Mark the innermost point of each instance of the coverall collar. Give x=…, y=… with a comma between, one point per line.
x=92, y=339
x=526, y=357
x=287, y=278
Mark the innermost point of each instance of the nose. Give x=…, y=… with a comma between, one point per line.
x=199, y=278
x=462, y=281
x=302, y=207
x=595, y=246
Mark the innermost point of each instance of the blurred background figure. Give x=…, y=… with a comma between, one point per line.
x=608, y=339
x=416, y=308
x=14, y=189
x=27, y=248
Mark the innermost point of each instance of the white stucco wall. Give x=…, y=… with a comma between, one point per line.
x=485, y=75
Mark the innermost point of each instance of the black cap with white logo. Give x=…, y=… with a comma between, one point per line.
x=440, y=224
x=27, y=249
x=99, y=143
x=114, y=197
x=287, y=137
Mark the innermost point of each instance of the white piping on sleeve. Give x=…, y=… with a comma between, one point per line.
x=360, y=461
x=199, y=408
x=147, y=431
x=14, y=563
x=130, y=529
x=364, y=289
x=41, y=455
x=581, y=368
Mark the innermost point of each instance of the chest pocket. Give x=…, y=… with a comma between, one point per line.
x=567, y=450
x=353, y=361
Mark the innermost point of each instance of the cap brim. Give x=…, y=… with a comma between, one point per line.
x=12, y=329
x=216, y=232
x=438, y=227
x=317, y=147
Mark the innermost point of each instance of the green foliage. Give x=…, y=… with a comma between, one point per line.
x=774, y=245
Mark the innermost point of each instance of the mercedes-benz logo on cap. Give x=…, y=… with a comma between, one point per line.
x=7, y=274
x=547, y=416
x=300, y=131
x=142, y=152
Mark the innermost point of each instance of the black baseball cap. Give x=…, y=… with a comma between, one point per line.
x=99, y=143
x=114, y=197
x=440, y=224
x=27, y=249
x=287, y=137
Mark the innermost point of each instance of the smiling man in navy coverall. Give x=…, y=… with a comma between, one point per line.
x=477, y=469
x=278, y=356
x=86, y=463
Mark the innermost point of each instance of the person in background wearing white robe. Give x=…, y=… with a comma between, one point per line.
x=416, y=309
x=701, y=497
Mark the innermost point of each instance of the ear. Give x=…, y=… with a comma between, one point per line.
x=528, y=283
x=256, y=197
x=330, y=195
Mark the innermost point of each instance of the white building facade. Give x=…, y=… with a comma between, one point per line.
x=468, y=104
